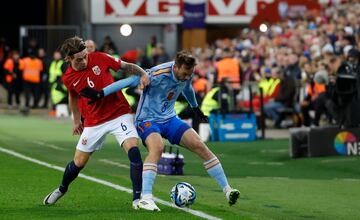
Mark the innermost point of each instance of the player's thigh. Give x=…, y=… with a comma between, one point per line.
x=92, y=138
x=154, y=143
x=124, y=130
x=192, y=141
x=174, y=129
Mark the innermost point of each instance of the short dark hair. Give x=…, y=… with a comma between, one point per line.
x=185, y=58
x=72, y=46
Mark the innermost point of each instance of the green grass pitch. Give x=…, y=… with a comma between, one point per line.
x=273, y=186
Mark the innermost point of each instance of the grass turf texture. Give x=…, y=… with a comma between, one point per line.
x=273, y=186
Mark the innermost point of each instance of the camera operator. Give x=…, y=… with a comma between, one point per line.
x=345, y=91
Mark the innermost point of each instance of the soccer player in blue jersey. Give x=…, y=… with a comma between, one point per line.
x=156, y=119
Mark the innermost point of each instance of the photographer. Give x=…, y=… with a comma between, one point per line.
x=345, y=92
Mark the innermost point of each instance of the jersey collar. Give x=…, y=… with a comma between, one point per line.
x=173, y=74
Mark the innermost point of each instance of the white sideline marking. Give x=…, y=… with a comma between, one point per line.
x=266, y=163
x=347, y=179
x=274, y=151
x=47, y=145
x=338, y=160
x=114, y=163
x=106, y=183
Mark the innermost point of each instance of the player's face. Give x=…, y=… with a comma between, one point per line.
x=183, y=73
x=80, y=60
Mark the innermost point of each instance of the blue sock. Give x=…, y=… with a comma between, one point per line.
x=136, y=168
x=215, y=170
x=149, y=174
x=70, y=174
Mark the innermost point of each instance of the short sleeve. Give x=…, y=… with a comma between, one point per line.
x=114, y=63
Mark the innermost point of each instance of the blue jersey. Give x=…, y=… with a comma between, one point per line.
x=158, y=98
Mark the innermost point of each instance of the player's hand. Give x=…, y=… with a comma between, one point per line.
x=78, y=128
x=92, y=94
x=200, y=115
x=144, y=81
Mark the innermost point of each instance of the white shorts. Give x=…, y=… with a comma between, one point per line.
x=92, y=138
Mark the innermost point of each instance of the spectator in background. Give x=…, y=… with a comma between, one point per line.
x=150, y=47
x=138, y=57
x=90, y=45
x=293, y=69
x=32, y=78
x=32, y=47
x=55, y=72
x=4, y=53
x=284, y=99
x=247, y=73
x=13, y=68
x=160, y=55
x=44, y=89
x=200, y=84
x=228, y=67
x=314, y=100
x=109, y=45
x=59, y=94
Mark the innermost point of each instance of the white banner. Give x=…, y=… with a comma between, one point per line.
x=136, y=11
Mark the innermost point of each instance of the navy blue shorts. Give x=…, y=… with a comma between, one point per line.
x=171, y=130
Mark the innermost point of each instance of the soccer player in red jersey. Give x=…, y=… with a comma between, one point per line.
x=109, y=115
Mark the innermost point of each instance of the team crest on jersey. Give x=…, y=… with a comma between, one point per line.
x=147, y=124
x=84, y=141
x=96, y=70
x=170, y=95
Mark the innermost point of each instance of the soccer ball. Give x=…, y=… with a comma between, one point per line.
x=183, y=194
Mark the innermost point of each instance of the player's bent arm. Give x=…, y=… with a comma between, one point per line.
x=189, y=94
x=135, y=69
x=131, y=81
x=132, y=69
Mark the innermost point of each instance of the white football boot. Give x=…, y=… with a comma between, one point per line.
x=232, y=196
x=53, y=197
x=146, y=202
x=135, y=204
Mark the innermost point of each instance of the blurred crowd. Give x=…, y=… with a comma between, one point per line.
x=293, y=62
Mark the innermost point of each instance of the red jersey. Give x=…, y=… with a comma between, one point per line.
x=97, y=76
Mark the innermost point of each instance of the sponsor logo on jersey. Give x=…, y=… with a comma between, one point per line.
x=84, y=141
x=96, y=70
x=75, y=83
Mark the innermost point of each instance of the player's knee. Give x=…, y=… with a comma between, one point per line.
x=129, y=143
x=80, y=160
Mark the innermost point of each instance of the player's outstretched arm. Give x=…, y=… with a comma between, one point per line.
x=131, y=81
x=95, y=95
